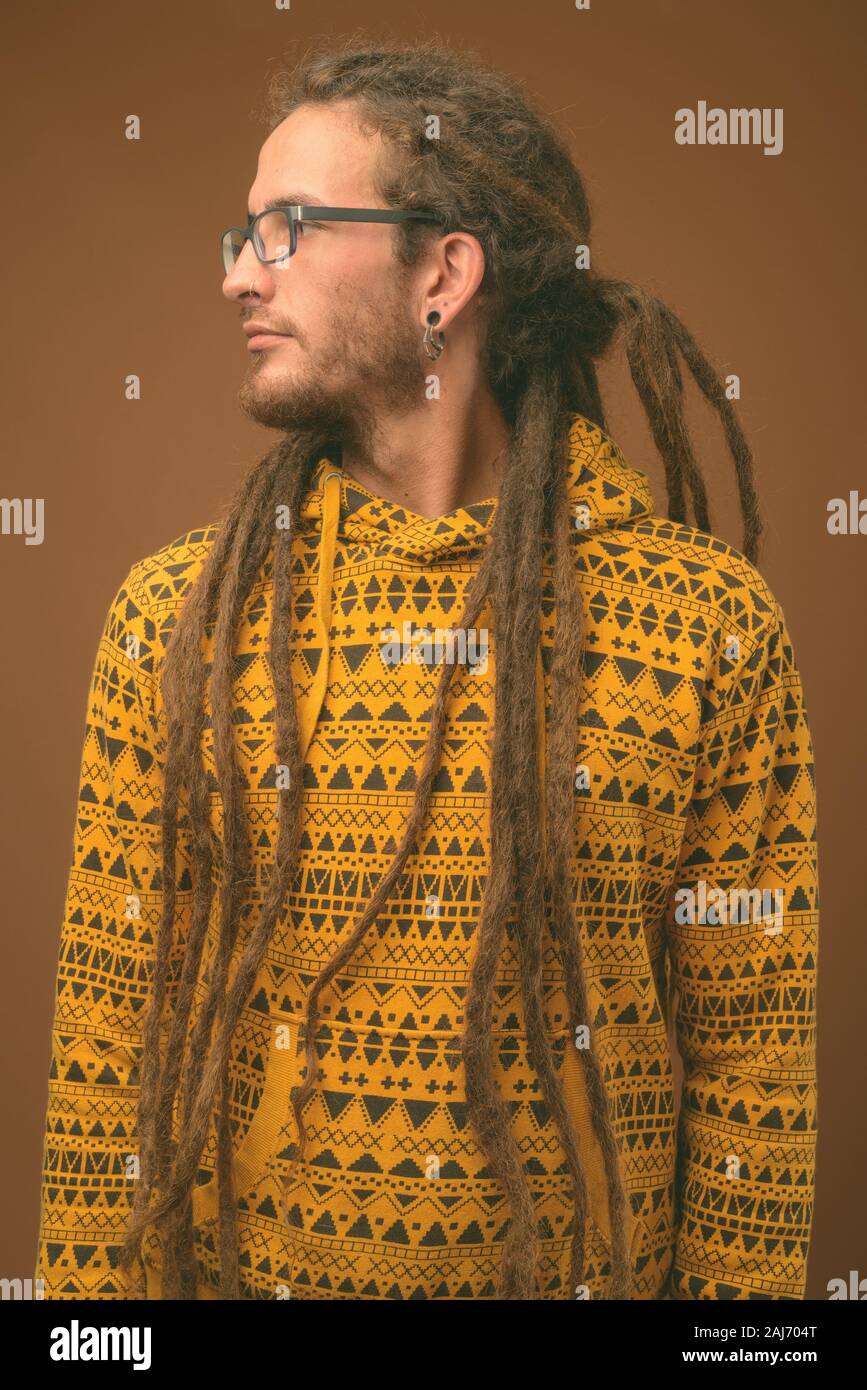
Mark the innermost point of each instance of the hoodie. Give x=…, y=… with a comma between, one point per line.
x=694, y=839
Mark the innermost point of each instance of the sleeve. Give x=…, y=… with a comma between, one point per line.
x=743, y=941
x=107, y=941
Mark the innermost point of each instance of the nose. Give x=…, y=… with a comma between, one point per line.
x=245, y=276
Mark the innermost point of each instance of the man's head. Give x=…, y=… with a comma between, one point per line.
x=352, y=311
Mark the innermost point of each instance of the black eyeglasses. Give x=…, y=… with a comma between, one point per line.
x=274, y=233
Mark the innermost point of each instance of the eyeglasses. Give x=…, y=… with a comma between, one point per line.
x=274, y=233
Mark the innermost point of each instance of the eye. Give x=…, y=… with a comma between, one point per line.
x=310, y=226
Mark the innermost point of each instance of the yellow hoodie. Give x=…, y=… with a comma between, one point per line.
x=694, y=829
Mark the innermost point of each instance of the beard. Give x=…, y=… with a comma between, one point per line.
x=369, y=362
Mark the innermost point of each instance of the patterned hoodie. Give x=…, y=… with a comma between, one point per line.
x=694, y=832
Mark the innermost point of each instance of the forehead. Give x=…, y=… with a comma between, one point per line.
x=320, y=152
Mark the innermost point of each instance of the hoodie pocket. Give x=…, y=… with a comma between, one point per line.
x=253, y=1156
x=258, y=1146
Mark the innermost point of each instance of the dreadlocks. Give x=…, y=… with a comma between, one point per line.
x=499, y=171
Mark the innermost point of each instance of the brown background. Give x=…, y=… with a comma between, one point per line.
x=111, y=266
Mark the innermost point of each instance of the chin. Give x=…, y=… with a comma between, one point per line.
x=277, y=404
x=266, y=380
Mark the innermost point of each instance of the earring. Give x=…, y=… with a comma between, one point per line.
x=433, y=346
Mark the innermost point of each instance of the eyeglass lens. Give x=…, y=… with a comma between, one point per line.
x=275, y=234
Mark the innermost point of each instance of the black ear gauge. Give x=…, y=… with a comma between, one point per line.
x=433, y=318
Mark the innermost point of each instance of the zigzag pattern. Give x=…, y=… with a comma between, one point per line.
x=698, y=766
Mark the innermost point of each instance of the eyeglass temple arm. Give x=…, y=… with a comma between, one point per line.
x=309, y=212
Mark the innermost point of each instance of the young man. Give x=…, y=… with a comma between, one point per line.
x=414, y=789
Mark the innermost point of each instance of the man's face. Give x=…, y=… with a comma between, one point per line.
x=352, y=343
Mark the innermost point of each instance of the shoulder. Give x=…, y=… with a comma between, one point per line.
x=692, y=570
x=163, y=579
x=144, y=608
x=724, y=606
x=688, y=599
x=701, y=572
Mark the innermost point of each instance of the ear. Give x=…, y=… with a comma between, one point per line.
x=454, y=273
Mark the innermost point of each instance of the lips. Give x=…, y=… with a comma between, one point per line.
x=265, y=339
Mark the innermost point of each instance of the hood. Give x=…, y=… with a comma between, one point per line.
x=604, y=493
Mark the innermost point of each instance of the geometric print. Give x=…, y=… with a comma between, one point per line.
x=698, y=770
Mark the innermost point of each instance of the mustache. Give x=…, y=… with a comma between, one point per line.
x=255, y=317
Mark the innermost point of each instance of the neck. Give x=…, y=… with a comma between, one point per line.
x=445, y=454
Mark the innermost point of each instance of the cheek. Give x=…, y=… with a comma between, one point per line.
x=361, y=274
x=339, y=286
x=308, y=293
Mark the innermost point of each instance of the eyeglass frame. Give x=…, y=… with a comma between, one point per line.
x=313, y=212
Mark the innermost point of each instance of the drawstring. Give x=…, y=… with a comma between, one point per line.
x=311, y=705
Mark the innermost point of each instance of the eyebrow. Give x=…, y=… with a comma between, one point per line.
x=286, y=199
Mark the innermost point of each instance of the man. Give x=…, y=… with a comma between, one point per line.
x=413, y=789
